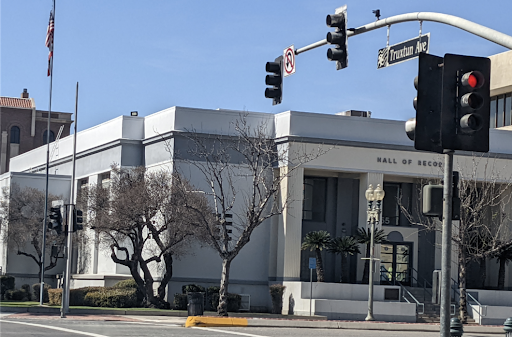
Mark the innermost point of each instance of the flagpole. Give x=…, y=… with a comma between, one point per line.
x=41, y=290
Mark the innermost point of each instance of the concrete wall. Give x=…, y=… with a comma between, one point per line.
x=501, y=82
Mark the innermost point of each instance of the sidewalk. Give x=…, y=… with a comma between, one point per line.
x=236, y=319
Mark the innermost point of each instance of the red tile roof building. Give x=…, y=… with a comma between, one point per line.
x=23, y=127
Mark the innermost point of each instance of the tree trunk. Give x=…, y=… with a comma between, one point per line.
x=319, y=266
x=344, y=272
x=366, y=270
x=483, y=272
x=501, y=274
x=165, y=281
x=222, y=309
x=463, y=311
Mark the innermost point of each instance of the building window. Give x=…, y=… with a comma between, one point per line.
x=45, y=136
x=501, y=110
x=15, y=135
x=390, y=204
x=105, y=180
x=83, y=183
x=313, y=207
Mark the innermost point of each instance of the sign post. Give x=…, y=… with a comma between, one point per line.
x=312, y=265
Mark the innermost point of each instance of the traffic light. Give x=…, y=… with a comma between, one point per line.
x=78, y=220
x=466, y=103
x=275, y=80
x=55, y=222
x=425, y=129
x=338, y=37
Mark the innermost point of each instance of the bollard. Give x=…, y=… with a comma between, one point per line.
x=507, y=326
x=456, y=328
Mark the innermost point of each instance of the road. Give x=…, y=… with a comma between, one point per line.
x=14, y=327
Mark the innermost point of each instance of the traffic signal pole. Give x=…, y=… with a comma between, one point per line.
x=71, y=209
x=469, y=26
x=446, y=245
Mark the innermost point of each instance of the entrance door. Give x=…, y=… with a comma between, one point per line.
x=395, y=263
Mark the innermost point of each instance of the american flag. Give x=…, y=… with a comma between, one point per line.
x=49, y=41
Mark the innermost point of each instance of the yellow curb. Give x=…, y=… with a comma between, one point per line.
x=214, y=321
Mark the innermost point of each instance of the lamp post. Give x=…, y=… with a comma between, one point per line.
x=373, y=218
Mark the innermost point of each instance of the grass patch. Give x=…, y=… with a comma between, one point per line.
x=20, y=304
x=28, y=304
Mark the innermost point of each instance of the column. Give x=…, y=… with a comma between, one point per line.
x=290, y=226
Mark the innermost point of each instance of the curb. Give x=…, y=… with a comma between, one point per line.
x=203, y=321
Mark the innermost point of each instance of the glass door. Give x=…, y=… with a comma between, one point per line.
x=395, y=263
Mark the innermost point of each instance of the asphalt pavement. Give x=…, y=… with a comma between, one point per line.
x=112, y=323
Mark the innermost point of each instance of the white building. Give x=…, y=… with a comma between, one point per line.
x=328, y=194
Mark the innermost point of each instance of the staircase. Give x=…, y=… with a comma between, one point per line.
x=432, y=311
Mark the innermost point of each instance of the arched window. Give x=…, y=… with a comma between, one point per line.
x=15, y=135
x=45, y=136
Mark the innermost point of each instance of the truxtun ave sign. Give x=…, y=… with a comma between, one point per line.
x=403, y=51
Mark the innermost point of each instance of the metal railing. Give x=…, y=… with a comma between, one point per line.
x=481, y=309
x=403, y=291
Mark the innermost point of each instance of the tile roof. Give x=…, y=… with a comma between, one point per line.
x=12, y=102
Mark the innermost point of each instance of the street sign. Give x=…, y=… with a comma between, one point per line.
x=312, y=263
x=289, y=61
x=403, y=51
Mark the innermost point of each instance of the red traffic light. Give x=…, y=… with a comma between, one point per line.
x=473, y=79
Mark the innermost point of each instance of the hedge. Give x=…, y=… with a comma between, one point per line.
x=22, y=294
x=180, y=302
x=192, y=288
x=6, y=283
x=36, y=287
x=97, y=297
x=112, y=298
x=234, y=302
x=129, y=283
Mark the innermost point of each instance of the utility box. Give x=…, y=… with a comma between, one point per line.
x=436, y=287
x=432, y=200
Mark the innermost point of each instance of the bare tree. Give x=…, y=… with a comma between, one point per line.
x=143, y=220
x=21, y=210
x=244, y=184
x=484, y=228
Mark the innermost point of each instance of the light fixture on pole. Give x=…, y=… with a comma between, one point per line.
x=373, y=219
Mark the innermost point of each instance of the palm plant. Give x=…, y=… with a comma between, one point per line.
x=317, y=241
x=345, y=246
x=504, y=257
x=364, y=236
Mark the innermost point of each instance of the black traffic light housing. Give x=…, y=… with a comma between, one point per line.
x=275, y=80
x=466, y=103
x=78, y=220
x=452, y=104
x=55, y=222
x=338, y=37
x=428, y=83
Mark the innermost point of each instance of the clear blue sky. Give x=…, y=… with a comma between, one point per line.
x=151, y=55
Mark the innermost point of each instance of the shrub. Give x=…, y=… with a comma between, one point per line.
x=37, y=293
x=6, y=283
x=26, y=288
x=213, y=290
x=192, y=288
x=129, y=283
x=55, y=296
x=180, y=301
x=112, y=298
x=276, y=292
x=18, y=294
x=234, y=301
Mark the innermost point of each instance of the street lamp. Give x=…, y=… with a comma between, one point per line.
x=373, y=218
